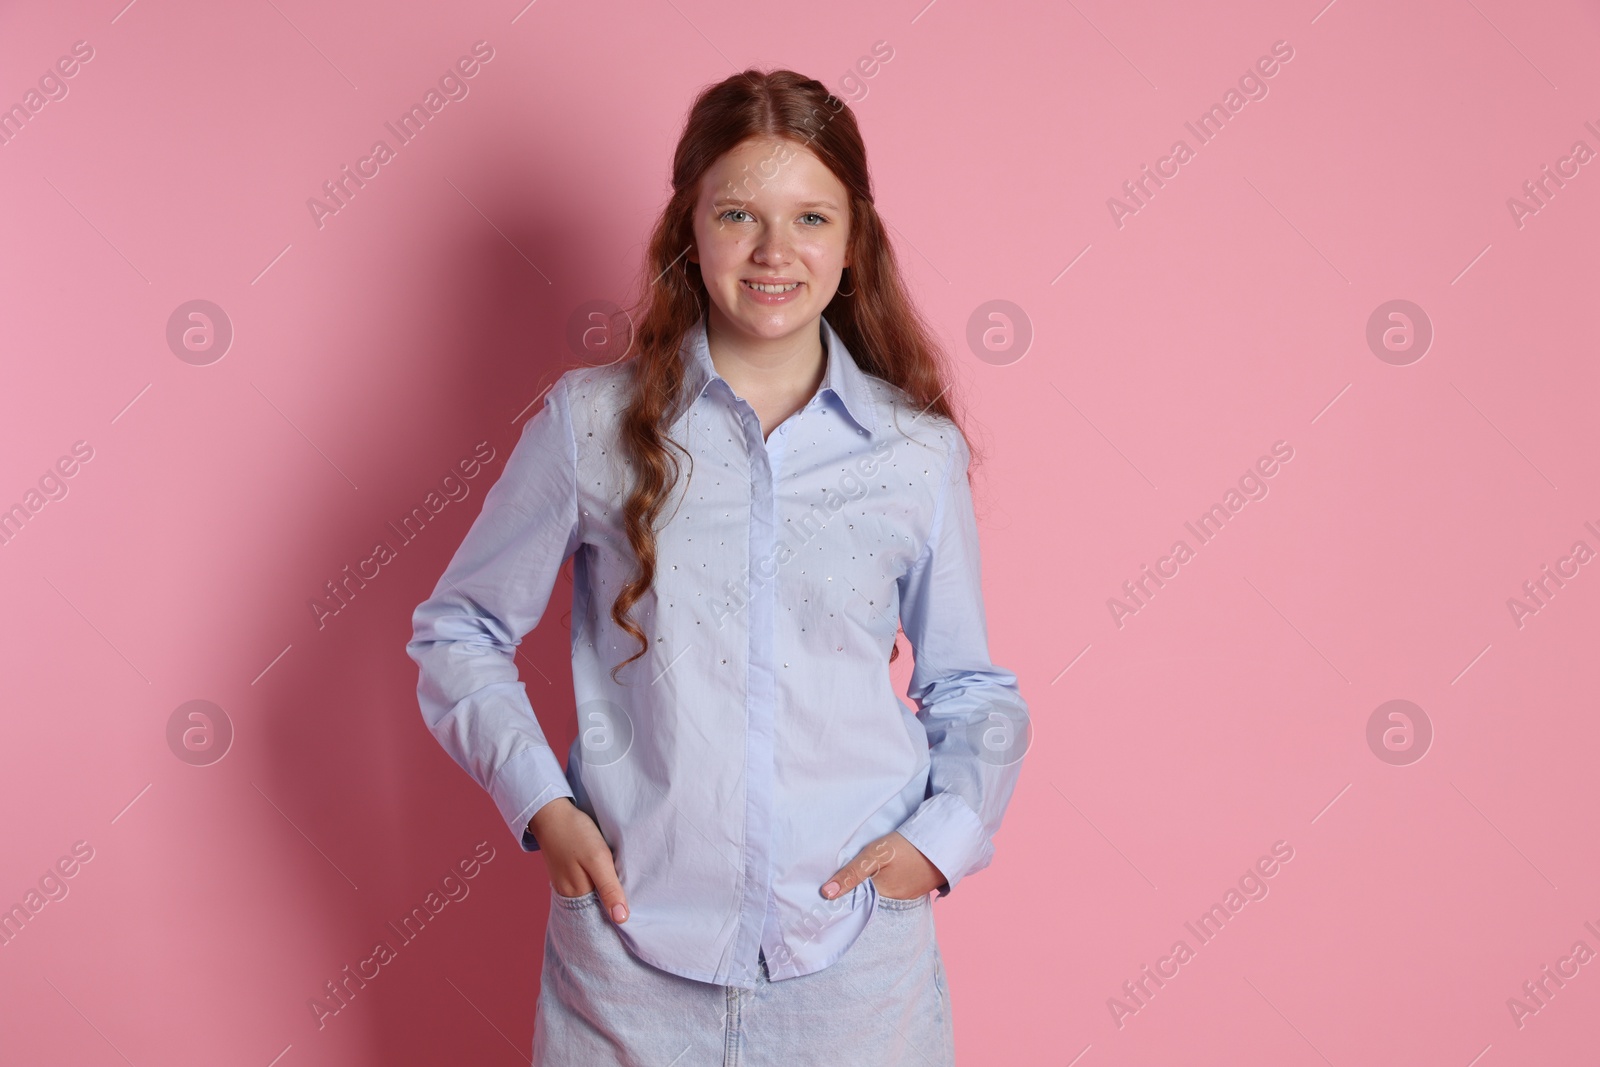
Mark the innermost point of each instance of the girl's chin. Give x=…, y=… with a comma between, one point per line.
x=798, y=308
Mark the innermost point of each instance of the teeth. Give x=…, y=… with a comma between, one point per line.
x=771, y=288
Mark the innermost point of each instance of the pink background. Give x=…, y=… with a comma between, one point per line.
x=1230, y=312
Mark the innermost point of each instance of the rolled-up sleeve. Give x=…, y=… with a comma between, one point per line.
x=495, y=589
x=973, y=711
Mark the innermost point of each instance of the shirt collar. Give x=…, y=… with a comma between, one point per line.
x=843, y=378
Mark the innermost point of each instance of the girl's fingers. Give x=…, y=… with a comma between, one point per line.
x=852, y=874
x=849, y=876
x=867, y=862
x=611, y=895
x=577, y=877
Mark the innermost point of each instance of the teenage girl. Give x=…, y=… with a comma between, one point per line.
x=745, y=843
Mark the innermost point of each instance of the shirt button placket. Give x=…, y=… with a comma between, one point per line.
x=761, y=690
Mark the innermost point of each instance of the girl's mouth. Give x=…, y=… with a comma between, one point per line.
x=770, y=294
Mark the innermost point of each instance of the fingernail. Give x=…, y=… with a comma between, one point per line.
x=830, y=889
x=619, y=912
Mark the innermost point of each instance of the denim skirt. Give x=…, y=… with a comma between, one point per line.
x=884, y=1003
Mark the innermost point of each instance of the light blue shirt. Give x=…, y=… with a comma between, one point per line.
x=759, y=744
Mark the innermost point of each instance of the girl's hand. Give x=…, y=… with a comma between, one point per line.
x=577, y=856
x=895, y=866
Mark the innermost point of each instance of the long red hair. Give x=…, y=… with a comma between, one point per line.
x=877, y=320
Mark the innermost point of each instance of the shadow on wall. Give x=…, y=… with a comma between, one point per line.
x=346, y=728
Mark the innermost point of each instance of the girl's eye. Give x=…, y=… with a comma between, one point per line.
x=741, y=211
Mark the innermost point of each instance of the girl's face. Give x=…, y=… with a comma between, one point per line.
x=770, y=214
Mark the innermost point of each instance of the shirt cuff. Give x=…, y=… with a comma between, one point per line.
x=945, y=829
x=532, y=779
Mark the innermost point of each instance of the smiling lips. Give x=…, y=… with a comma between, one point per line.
x=770, y=291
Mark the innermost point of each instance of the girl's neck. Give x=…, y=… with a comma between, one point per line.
x=775, y=376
